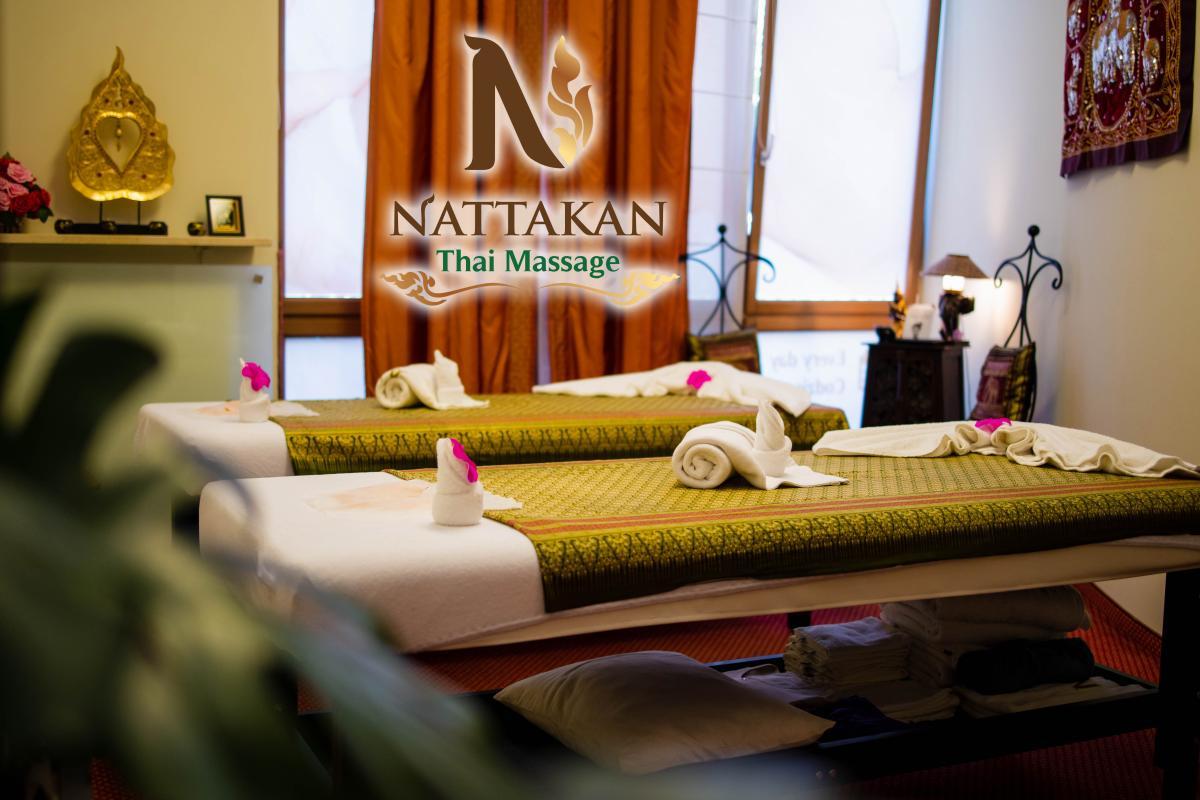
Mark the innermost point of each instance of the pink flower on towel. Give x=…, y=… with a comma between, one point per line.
x=698, y=378
x=259, y=379
x=461, y=454
x=990, y=425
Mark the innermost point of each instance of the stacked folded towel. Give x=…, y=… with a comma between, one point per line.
x=709, y=454
x=435, y=385
x=847, y=654
x=998, y=642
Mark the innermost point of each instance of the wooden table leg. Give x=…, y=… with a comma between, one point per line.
x=1175, y=745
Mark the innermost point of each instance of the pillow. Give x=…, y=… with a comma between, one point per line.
x=643, y=712
x=1007, y=384
x=739, y=348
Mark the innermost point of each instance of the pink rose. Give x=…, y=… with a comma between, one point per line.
x=12, y=189
x=461, y=454
x=18, y=173
x=698, y=378
x=990, y=425
x=259, y=379
x=4, y=201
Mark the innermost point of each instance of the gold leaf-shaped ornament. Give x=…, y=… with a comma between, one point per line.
x=118, y=147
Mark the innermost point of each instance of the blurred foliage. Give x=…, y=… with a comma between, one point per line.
x=116, y=644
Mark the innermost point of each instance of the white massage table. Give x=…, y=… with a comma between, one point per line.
x=438, y=587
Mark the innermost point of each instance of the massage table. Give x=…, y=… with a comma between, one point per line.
x=362, y=436
x=611, y=544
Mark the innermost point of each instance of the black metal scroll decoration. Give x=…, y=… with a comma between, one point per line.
x=1027, y=275
x=723, y=276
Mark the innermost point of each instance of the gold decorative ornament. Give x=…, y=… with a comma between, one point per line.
x=119, y=148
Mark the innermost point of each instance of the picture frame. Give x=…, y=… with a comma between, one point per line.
x=224, y=215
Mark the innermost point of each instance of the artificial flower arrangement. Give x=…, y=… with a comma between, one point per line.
x=20, y=196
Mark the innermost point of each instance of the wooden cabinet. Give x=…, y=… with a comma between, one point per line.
x=914, y=381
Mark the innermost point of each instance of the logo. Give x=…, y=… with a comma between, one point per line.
x=493, y=78
x=530, y=222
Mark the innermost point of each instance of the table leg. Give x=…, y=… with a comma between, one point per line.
x=1175, y=745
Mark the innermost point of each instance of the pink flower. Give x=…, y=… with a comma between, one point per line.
x=12, y=189
x=18, y=173
x=457, y=449
x=698, y=378
x=4, y=201
x=259, y=379
x=990, y=425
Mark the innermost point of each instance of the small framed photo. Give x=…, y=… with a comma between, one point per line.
x=225, y=215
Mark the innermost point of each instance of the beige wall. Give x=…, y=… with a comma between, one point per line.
x=1116, y=344
x=211, y=69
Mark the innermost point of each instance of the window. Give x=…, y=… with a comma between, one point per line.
x=841, y=148
x=326, y=89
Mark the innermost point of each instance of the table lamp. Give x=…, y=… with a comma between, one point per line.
x=955, y=269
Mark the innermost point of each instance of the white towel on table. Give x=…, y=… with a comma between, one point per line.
x=709, y=454
x=253, y=406
x=1059, y=608
x=1043, y=696
x=918, y=624
x=435, y=385
x=1031, y=444
x=457, y=500
x=728, y=383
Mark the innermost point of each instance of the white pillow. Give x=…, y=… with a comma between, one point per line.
x=643, y=712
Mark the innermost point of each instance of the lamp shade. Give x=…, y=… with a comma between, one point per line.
x=955, y=264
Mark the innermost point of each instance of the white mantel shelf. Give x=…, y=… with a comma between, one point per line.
x=54, y=239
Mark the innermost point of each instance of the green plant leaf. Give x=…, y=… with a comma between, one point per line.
x=93, y=371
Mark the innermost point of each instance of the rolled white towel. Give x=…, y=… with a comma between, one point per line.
x=254, y=404
x=710, y=453
x=435, y=385
x=458, y=496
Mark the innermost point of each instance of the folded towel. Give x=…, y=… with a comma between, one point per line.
x=708, y=455
x=934, y=663
x=850, y=653
x=254, y=402
x=915, y=622
x=1028, y=443
x=435, y=385
x=1059, y=608
x=910, y=701
x=1051, y=694
x=1015, y=666
x=728, y=383
x=899, y=699
x=458, y=496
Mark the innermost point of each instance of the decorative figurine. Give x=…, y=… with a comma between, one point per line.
x=119, y=149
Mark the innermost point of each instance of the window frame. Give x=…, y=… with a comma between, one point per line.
x=829, y=315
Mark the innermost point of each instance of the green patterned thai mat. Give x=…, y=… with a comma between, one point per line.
x=610, y=530
x=361, y=436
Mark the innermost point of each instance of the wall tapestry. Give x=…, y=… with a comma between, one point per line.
x=1127, y=89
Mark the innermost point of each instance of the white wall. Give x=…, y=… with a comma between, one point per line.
x=1116, y=343
x=212, y=71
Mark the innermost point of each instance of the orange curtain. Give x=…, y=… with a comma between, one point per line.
x=638, y=54
x=416, y=146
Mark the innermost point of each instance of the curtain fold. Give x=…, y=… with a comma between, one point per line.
x=417, y=145
x=638, y=55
